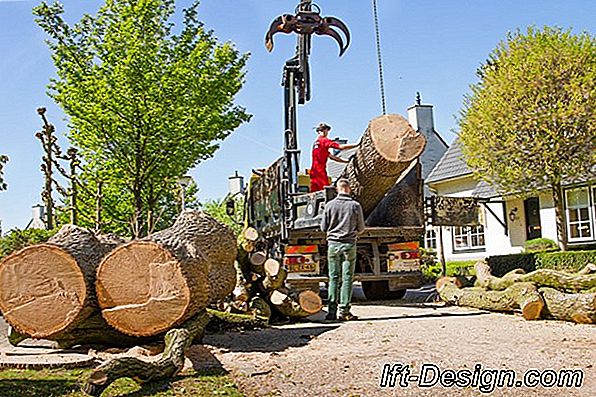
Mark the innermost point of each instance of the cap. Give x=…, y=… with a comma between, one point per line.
x=323, y=126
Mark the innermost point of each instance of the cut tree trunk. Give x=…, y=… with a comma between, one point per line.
x=149, y=286
x=177, y=342
x=579, y=308
x=522, y=296
x=388, y=147
x=307, y=303
x=47, y=289
x=561, y=281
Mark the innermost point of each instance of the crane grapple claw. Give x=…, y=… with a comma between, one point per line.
x=306, y=23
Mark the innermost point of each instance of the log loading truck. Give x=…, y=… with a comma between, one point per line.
x=384, y=173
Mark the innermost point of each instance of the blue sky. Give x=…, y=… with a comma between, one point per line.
x=431, y=46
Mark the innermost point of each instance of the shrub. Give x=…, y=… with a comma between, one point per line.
x=17, y=239
x=569, y=261
x=540, y=244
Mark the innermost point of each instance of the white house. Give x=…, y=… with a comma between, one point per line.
x=506, y=222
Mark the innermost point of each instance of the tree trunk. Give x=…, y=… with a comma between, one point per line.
x=149, y=286
x=177, y=342
x=559, y=215
x=541, y=278
x=306, y=304
x=386, y=150
x=579, y=308
x=522, y=296
x=47, y=289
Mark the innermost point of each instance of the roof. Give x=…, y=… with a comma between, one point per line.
x=451, y=165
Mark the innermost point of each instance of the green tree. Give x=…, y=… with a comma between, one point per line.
x=217, y=209
x=144, y=104
x=3, y=161
x=529, y=123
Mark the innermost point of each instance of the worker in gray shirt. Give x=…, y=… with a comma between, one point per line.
x=342, y=221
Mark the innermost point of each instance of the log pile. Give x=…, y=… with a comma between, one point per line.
x=80, y=288
x=261, y=288
x=541, y=294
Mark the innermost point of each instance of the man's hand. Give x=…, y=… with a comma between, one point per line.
x=338, y=159
x=346, y=146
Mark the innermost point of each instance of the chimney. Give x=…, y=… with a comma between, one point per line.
x=421, y=117
x=38, y=213
x=235, y=184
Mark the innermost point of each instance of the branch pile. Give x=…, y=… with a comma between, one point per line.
x=541, y=294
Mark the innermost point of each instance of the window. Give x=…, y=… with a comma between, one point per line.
x=430, y=238
x=468, y=237
x=579, y=213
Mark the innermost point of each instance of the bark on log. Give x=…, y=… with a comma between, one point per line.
x=46, y=289
x=579, y=308
x=307, y=303
x=542, y=278
x=386, y=150
x=522, y=296
x=177, y=342
x=149, y=286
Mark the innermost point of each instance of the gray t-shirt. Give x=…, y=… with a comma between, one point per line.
x=342, y=219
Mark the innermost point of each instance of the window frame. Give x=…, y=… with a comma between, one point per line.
x=591, y=221
x=469, y=247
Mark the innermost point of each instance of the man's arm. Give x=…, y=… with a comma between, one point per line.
x=338, y=159
x=324, y=220
x=345, y=146
x=360, y=216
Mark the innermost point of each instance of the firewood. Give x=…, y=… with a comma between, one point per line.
x=46, y=289
x=579, y=308
x=307, y=304
x=556, y=279
x=386, y=150
x=149, y=286
x=522, y=296
x=260, y=307
x=258, y=258
x=273, y=282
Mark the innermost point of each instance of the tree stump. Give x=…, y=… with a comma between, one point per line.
x=579, y=308
x=47, y=289
x=388, y=147
x=151, y=285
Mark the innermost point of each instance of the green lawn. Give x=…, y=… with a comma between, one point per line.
x=66, y=383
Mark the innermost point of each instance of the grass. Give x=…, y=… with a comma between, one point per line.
x=66, y=383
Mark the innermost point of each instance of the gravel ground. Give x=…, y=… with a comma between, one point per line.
x=346, y=359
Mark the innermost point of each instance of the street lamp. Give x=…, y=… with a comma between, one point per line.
x=183, y=182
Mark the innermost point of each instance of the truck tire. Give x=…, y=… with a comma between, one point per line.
x=379, y=290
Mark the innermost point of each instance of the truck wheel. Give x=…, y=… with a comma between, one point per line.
x=379, y=290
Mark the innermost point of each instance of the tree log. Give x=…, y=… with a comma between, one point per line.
x=307, y=303
x=522, y=296
x=149, y=286
x=388, y=147
x=542, y=278
x=177, y=342
x=46, y=289
x=579, y=308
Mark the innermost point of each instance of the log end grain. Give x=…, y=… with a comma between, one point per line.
x=43, y=290
x=142, y=289
x=310, y=301
x=395, y=139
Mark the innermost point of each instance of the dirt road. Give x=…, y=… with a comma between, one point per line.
x=347, y=359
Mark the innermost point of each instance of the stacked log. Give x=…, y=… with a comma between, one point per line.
x=544, y=293
x=261, y=288
x=387, y=149
x=149, y=286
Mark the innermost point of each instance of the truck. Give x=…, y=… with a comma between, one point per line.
x=287, y=217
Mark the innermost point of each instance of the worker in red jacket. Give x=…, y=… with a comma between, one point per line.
x=320, y=154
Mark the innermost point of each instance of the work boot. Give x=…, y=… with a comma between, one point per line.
x=347, y=317
x=331, y=317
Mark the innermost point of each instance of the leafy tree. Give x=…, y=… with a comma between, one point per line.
x=3, y=161
x=528, y=124
x=17, y=239
x=144, y=104
x=217, y=209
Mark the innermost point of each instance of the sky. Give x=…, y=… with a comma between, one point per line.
x=429, y=46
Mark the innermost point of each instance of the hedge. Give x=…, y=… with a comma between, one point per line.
x=569, y=261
